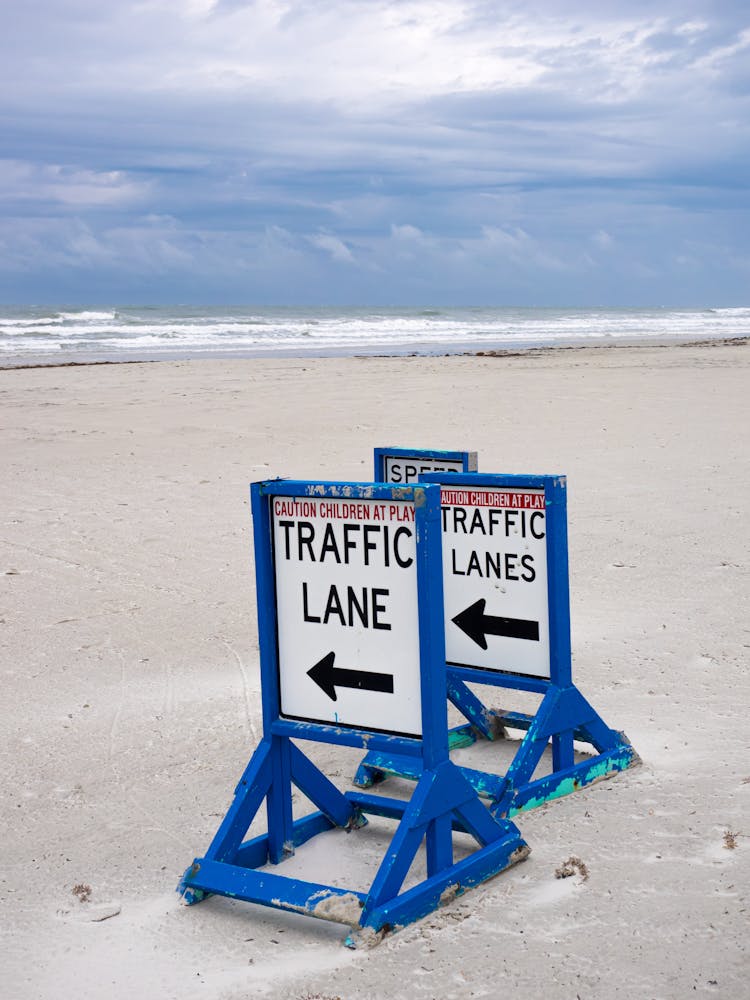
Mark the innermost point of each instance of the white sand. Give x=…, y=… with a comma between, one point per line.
x=131, y=684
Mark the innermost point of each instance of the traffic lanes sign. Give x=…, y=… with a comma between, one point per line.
x=495, y=579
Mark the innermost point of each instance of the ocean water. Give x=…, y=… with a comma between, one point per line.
x=44, y=335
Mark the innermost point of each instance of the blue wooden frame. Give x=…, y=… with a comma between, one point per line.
x=468, y=459
x=563, y=715
x=443, y=800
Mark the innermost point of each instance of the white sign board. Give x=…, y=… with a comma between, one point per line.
x=347, y=612
x=407, y=469
x=495, y=579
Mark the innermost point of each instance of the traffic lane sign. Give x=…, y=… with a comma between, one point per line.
x=347, y=606
x=495, y=579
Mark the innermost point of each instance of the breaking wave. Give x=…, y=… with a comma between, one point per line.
x=130, y=333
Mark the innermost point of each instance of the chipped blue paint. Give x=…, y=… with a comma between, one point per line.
x=360, y=491
x=606, y=766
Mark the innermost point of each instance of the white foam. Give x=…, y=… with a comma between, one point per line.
x=86, y=316
x=132, y=334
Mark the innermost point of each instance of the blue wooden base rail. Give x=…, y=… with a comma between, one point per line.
x=563, y=716
x=443, y=801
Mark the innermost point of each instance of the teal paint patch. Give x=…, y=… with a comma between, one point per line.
x=601, y=770
x=565, y=787
x=487, y=788
x=460, y=738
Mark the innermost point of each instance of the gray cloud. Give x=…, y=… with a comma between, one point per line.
x=406, y=151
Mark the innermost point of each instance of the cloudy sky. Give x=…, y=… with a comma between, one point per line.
x=546, y=152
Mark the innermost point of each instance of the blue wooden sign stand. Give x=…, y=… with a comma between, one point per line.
x=563, y=716
x=442, y=802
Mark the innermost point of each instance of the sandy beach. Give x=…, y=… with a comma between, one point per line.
x=131, y=677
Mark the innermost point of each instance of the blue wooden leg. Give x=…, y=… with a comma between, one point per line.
x=366, y=775
x=483, y=719
x=562, y=750
x=248, y=797
x=279, y=802
x=314, y=784
x=439, y=845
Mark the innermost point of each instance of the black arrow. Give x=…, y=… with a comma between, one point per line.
x=328, y=678
x=477, y=625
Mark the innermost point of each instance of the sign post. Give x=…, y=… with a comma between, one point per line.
x=406, y=465
x=507, y=624
x=350, y=606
